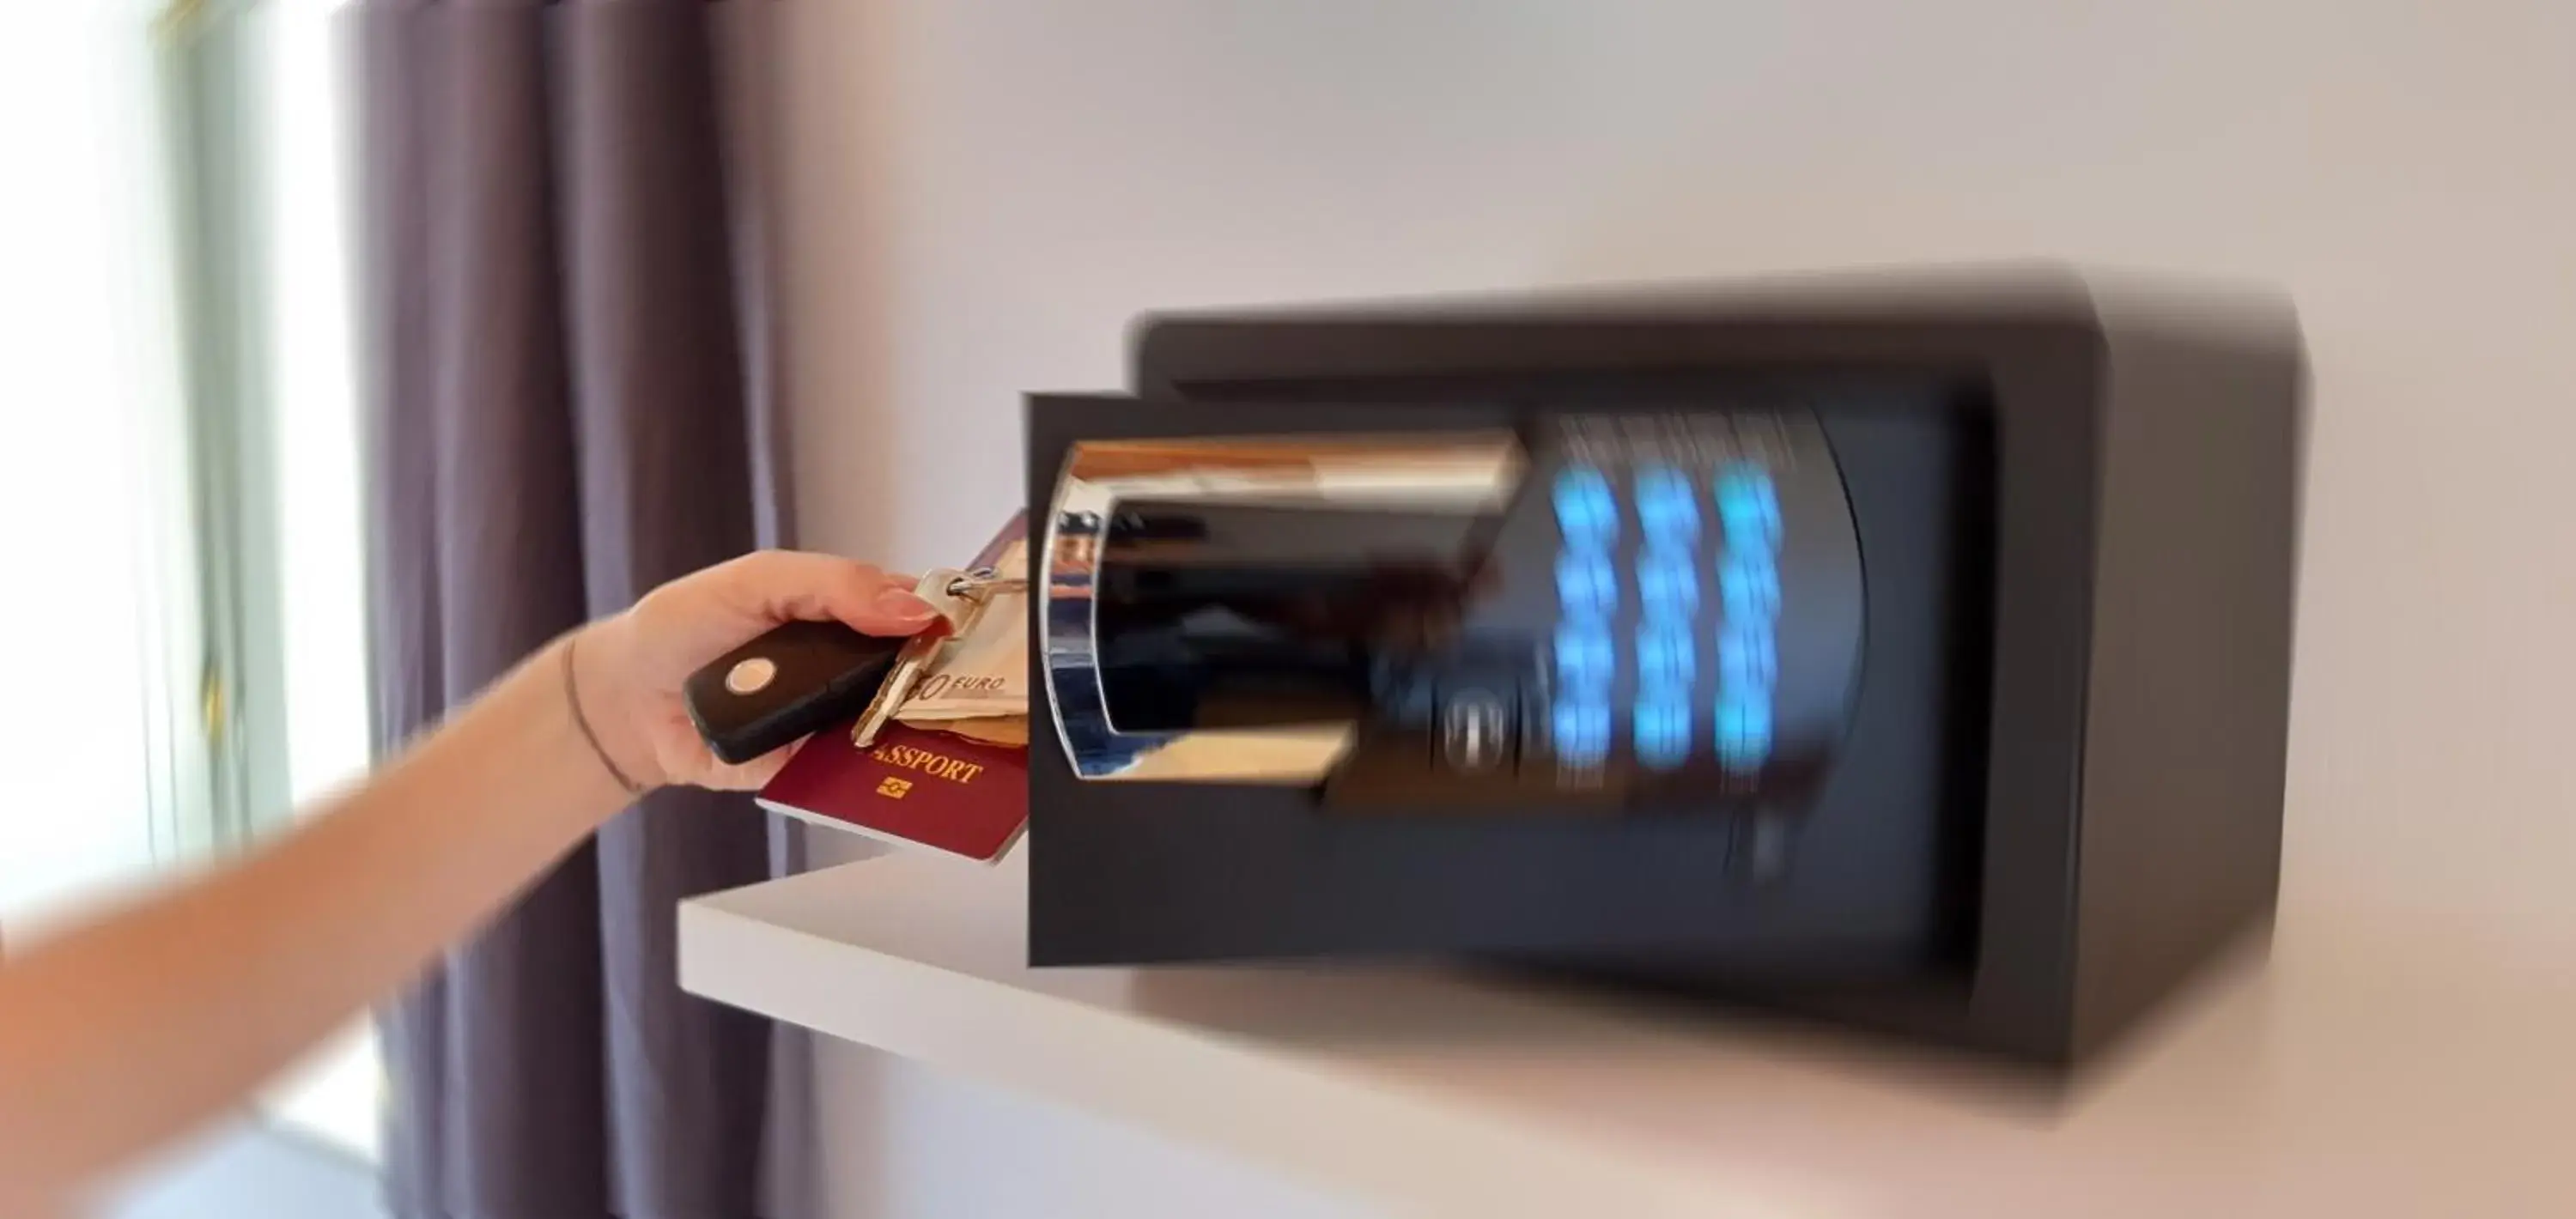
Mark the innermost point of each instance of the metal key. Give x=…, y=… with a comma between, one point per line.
x=960, y=598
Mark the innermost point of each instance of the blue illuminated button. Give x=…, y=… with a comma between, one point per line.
x=1666, y=658
x=1747, y=657
x=1586, y=513
x=1743, y=733
x=1587, y=588
x=1748, y=505
x=1663, y=729
x=1748, y=584
x=1668, y=583
x=1667, y=507
x=1580, y=731
x=1585, y=659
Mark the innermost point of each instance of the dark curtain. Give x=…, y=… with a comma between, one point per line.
x=569, y=401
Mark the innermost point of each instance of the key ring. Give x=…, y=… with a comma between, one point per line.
x=973, y=588
x=984, y=582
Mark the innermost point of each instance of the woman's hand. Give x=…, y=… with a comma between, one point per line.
x=287, y=941
x=628, y=669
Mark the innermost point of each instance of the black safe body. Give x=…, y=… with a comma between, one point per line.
x=2076, y=498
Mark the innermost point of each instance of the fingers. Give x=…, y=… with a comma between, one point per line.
x=787, y=584
x=749, y=776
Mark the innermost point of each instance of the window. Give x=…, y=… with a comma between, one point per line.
x=306, y=421
x=180, y=504
x=93, y=522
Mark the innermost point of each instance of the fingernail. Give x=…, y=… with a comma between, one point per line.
x=898, y=603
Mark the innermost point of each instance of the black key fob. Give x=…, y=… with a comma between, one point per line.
x=796, y=680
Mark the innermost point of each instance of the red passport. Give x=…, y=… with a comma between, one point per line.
x=916, y=785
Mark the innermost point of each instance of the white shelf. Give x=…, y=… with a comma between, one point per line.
x=2353, y=1075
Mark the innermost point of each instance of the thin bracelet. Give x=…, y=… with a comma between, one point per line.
x=572, y=699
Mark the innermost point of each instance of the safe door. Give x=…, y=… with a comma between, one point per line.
x=1563, y=676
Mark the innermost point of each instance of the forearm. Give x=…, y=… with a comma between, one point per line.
x=121, y=1035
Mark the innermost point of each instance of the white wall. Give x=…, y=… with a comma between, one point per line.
x=981, y=193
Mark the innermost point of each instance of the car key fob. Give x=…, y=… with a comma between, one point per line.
x=797, y=679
